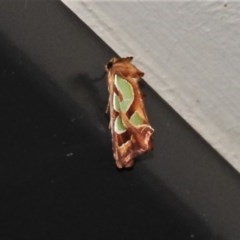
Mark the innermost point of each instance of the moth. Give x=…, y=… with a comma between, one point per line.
x=129, y=124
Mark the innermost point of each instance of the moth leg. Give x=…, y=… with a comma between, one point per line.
x=107, y=111
x=107, y=108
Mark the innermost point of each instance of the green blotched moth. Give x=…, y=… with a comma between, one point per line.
x=129, y=124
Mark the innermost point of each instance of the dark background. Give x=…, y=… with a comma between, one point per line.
x=58, y=176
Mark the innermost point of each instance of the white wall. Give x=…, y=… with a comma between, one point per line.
x=190, y=53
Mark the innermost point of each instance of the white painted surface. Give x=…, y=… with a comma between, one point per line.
x=190, y=53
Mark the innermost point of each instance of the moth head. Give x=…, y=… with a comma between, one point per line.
x=117, y=60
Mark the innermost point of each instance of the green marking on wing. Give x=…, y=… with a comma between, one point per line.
x=126, y=90
x=116, y=102
x=136, y=120
x=119, y=128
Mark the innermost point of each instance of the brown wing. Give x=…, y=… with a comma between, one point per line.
x=136, y=139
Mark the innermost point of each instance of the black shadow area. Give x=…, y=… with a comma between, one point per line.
x=58, y=178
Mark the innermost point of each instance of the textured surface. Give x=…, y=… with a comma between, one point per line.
x=58, y=176
x=191, y=54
